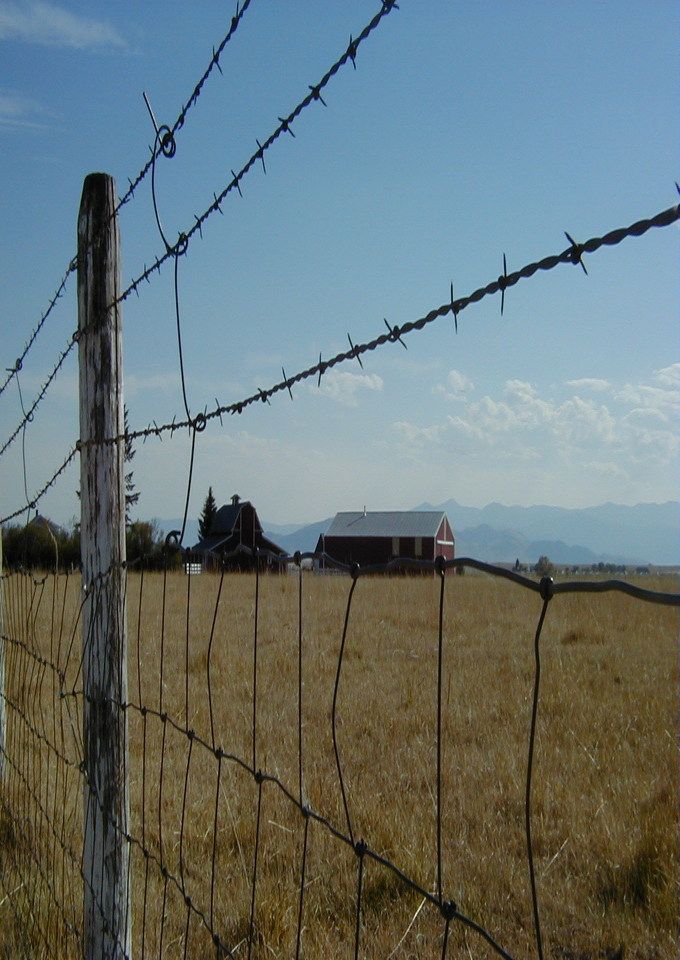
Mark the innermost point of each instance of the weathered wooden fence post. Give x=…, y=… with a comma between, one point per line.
x=106, y=921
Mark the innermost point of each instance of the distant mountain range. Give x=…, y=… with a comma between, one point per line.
x=644, y=533
x=609, y=533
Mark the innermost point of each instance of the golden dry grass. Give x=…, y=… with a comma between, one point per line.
x=605, y=796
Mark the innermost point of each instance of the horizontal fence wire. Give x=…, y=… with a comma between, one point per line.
x=160, y=148
x=571, y=255
x=198, y=778
x=165, y=146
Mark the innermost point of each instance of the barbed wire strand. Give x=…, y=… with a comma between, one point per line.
x=570, y=255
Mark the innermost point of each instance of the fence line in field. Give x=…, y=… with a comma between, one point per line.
x=35, y=732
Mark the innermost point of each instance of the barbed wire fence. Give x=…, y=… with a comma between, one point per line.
x=150, y=761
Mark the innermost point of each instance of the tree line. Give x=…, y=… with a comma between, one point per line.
x=43, y=545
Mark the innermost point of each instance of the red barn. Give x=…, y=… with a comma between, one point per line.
x=379, y=536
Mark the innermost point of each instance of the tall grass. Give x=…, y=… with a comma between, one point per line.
x=605, y=793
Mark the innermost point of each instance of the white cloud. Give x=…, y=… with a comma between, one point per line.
x=343, y=386
x=589, y=383
x=664, y=401
x=19, y=111
x=528, y=408
x=158, y=383
x=15, y=106
x=644, y=415
x=669, y=376
x=413, y=433
x=607, y=469
x=50, y=25
x=459, y=382
x=467, y=428
x=457, y=385
x=579, y=421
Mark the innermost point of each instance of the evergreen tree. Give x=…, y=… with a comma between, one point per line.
x=208, y=514
x=131, y=497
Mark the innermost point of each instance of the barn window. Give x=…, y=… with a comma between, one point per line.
x=419, y=547
x=395, y=546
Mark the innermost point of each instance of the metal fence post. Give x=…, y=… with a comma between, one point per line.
x=106, y=920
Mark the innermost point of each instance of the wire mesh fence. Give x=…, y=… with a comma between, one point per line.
x=358, y=765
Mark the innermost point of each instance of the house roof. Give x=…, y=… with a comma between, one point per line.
x=387, y=523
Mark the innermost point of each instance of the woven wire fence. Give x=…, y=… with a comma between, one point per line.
x=309, y=754
x=371, y=764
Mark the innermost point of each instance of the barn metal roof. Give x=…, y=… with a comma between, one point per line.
x=387, y=523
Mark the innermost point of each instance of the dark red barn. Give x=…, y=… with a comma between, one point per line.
x=379, y=536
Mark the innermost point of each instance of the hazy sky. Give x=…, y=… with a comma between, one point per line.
x=467, y=130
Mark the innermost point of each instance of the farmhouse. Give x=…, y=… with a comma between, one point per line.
x=237, y=530
x=379, y=536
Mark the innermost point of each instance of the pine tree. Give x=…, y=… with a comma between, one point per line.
x=208, y=514
x=131, y=497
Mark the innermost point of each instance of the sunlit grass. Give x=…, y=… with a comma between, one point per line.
x=604, y=804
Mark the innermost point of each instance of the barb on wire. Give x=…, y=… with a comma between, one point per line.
x=577, y=252
x=285, y=378
x=503, y=282
x=354, y=351
x=394, y=334
x=454, y=311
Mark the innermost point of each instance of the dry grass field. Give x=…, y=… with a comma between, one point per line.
x=605, y=792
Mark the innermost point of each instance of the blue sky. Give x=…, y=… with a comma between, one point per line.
x=466, y=131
